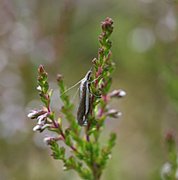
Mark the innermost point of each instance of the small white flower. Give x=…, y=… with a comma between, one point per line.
x=47, y=140
x=37, y=128
x=166, y=170
x=42, y=118
x=122, y=93
x=40, y=127
x=109, y=156
x=114, y=113
x=39, y=88
x=45, y=126
x=64, y=168
x=119, y=114
x=117, y=93
x=32, y=114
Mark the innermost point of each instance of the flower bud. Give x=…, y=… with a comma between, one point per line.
x=117, y=93
x=37, y=128
x=32, y=114
x=39, y=88
x=101, y=52
x=36, y=113
x=170, y=136
x=48, y=140
x=42, y=118
x=107, y=24
x=41, y=127
x=114, y=113
x=94, y=61
x=41, y=69
x=100, y=70
x=59, y=77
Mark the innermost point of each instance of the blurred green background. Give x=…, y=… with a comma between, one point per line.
x=62, y=35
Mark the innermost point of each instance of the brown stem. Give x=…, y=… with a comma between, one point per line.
x=96, y=172
x=86, y=132
x=71, y=146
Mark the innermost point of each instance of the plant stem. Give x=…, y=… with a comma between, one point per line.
x=96, y=173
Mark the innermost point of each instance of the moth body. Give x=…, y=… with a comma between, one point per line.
x=85, y=100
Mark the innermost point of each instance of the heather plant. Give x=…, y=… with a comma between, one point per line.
x=169, y=170
x=81, y=149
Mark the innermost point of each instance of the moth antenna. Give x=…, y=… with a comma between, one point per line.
x=71, y=87
x=73, y=98
x=74, y=85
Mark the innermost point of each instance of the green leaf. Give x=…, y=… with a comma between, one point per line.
x=108, y=85
x=112, y=140
x=57, y=152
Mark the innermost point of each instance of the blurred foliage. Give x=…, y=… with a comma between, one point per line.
x=62, y=36
x=169, y=170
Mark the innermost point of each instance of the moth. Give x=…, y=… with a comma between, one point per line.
x=85, y=100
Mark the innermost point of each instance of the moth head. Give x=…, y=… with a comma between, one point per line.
x=88, y=75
